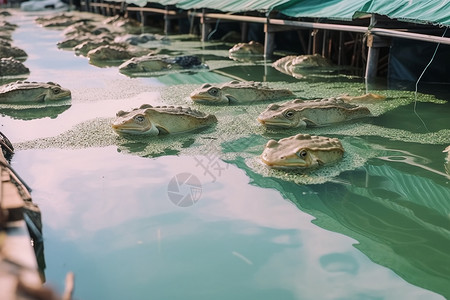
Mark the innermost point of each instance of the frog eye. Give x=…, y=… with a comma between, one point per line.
x=302, y=154
x=213, y=91
x=139, y=119
x=56, y=90
x=289, y=114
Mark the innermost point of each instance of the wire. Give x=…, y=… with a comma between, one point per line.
x=420, y=77
x=214, y=31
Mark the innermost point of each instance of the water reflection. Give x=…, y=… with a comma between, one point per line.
x=111, y=221
x=255, y=58
x=106, y=63
x=108, y=218
x=30, y=113
x=447, y=160
x=8, y=79
x=339, y=262
x=400, y=222
x=420, y=117
x=412, y=161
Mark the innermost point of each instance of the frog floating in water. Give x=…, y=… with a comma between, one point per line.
x=31, y=92
x=246, y=51
x=116, y=52
x=302, y=151
x=296, y=66
x=237, y=92
x=154, y=63
x=247, y=48
x=150, y=120
x=310, y=113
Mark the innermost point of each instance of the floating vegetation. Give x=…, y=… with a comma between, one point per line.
x=238, y=136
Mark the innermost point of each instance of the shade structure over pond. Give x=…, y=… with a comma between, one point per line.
x=142, y=3
x=234, y=5
x=415, y=11
x=330, y=9
x=436, y=12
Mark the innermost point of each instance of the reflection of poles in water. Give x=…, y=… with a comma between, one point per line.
x=410, y=160
x=21, y=271
x=447, y=160
x=265, y=69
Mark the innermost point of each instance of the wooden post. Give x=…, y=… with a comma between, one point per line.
x=372, y=54
x=269, y=41
x=372, y=60
x=315, y=41
x=191, y=23
x=96, y=9
x=103, y=8
x=204, y=28
x=142, y=16
x=310, y=42
x=324, y=42
x=244, y=32
x=167, y=21
x=341, y=44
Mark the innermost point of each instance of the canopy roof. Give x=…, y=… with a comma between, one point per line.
x=328, y=9
x=435, y=12
x=232, y=5
x=416, y=11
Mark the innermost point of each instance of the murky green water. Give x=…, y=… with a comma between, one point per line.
x=374, y=226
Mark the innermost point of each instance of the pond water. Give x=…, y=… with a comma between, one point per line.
x=197, y=216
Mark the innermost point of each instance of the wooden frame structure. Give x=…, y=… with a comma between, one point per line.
x=376, y=38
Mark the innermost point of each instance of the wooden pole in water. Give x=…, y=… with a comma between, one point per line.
x=244, y=32
x=142, y=16
x=372, y=59
x=341, y=44
x=96, y=9
x=372, y=54
x=324, y=42
x=269, y=41
x=167, y=24
x=203, y=22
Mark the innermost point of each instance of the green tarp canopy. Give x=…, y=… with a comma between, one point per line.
x=327, y=9
x=435, y=12
x=415, y=11
x=232, y=5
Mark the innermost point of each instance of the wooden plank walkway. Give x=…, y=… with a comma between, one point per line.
x=19, y=272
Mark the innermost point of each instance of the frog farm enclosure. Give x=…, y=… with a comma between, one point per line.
x=197, y=215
